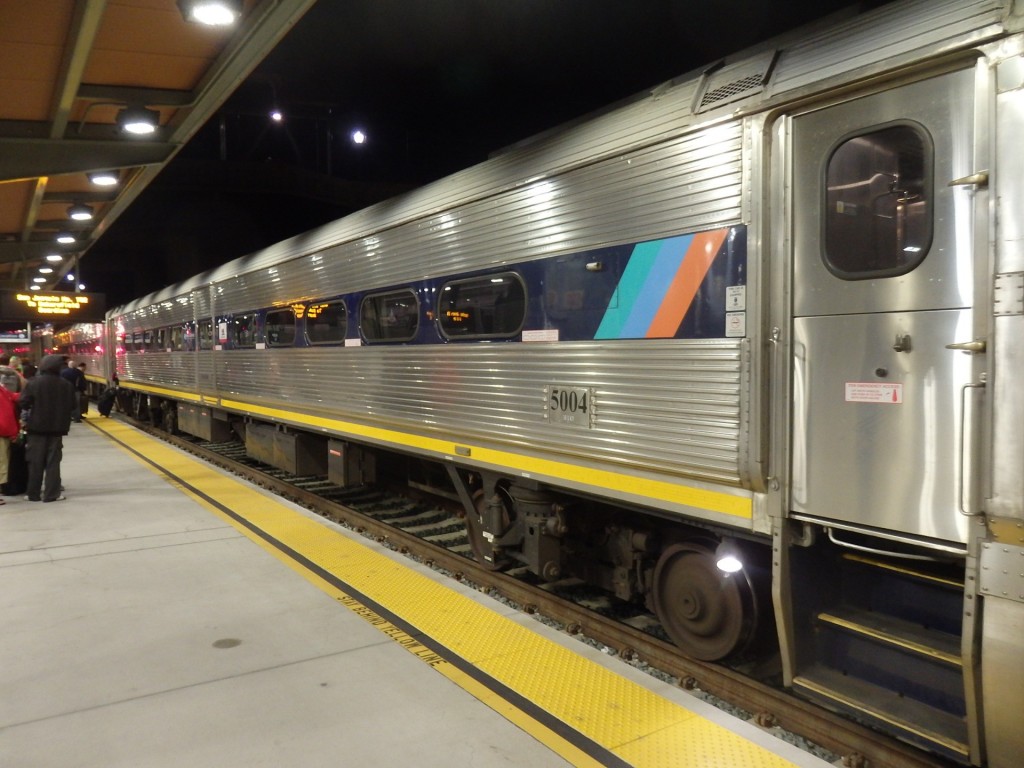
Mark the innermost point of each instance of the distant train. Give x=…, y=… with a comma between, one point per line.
x=771, y=311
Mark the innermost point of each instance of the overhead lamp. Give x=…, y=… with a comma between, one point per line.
x=35, y=287
x=276, y=115
x=65, y=238
x=138, y=120
x=213, y=13
x=81, y=286
x=53, y=258
x=80, y=212
x=103, y=178
x=728, y=557
x=45, y=270
x=38, y=279
x=358, y=137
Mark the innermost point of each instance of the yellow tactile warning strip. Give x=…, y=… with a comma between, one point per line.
x=578, y=708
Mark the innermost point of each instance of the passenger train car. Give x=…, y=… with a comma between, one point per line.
x=766, y=310
x=84, y=343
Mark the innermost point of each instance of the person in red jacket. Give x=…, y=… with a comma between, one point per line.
x=9, y=427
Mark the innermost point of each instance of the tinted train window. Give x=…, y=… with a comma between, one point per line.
x=188, y=337
x=280, y=327
x=242, y=331
x=878, y=220
x=205, y=334
x=157, y=341
x=482, y=307
x=326, y=323
x=390, y=316
x=176, y=338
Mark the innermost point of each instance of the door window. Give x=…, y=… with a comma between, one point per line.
x=878, y=189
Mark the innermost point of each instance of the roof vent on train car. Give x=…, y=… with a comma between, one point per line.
x=731, y=82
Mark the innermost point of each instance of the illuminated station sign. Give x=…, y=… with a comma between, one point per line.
x=52, y=306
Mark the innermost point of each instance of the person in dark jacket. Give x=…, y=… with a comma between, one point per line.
x=46, y=404
x=77, y=378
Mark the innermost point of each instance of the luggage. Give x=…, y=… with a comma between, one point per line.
x=17, y=471
x=106, y=401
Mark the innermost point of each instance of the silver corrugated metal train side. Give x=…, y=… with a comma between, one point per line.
x=726, y=317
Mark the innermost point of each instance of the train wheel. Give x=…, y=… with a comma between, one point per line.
x=707, y=613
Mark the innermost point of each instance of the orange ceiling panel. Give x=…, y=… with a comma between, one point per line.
x=42, y=22
x=31, y=49
x=17, y=196
x=180, y=73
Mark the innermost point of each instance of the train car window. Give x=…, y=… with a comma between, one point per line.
x=280, y=327
x=242, y=332
x=206, y=334
x=188, y=337
x=175, y=338
x=878, y=218
x=392, y=316
x=138, y=341
x=158, y=340
x=326, y=323
x=488, y=307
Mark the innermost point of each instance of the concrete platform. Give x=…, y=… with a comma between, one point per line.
x=141, y=629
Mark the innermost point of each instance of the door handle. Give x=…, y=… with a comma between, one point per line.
x=979, y=179
x=975, y=347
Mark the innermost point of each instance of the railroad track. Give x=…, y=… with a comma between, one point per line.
x=436, y=535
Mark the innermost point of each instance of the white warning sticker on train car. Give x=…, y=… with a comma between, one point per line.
x=874, y=392
x=544, y=334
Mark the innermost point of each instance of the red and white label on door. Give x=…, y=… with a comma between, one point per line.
x=874, y=392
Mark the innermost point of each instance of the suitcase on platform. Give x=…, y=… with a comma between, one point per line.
x=106, y=401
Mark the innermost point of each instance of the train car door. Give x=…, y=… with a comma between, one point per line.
x=883, y=279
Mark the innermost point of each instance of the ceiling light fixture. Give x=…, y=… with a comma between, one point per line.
x=65, y=237
x=80, y=212
x=53, y=258
x=213, y=13
x=45, y=270
x=38, y=279
x=103, y=178
x=138, y=120
x=34, y=287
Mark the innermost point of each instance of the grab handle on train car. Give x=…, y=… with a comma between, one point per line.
x=963, y=447
x=969, y=347
x=979, y=179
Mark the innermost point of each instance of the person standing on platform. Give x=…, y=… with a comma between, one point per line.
x=83, y=392
x=10, y=384
x=77, y=378
x=48, y=400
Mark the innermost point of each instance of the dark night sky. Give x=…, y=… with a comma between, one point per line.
x=436, y=85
